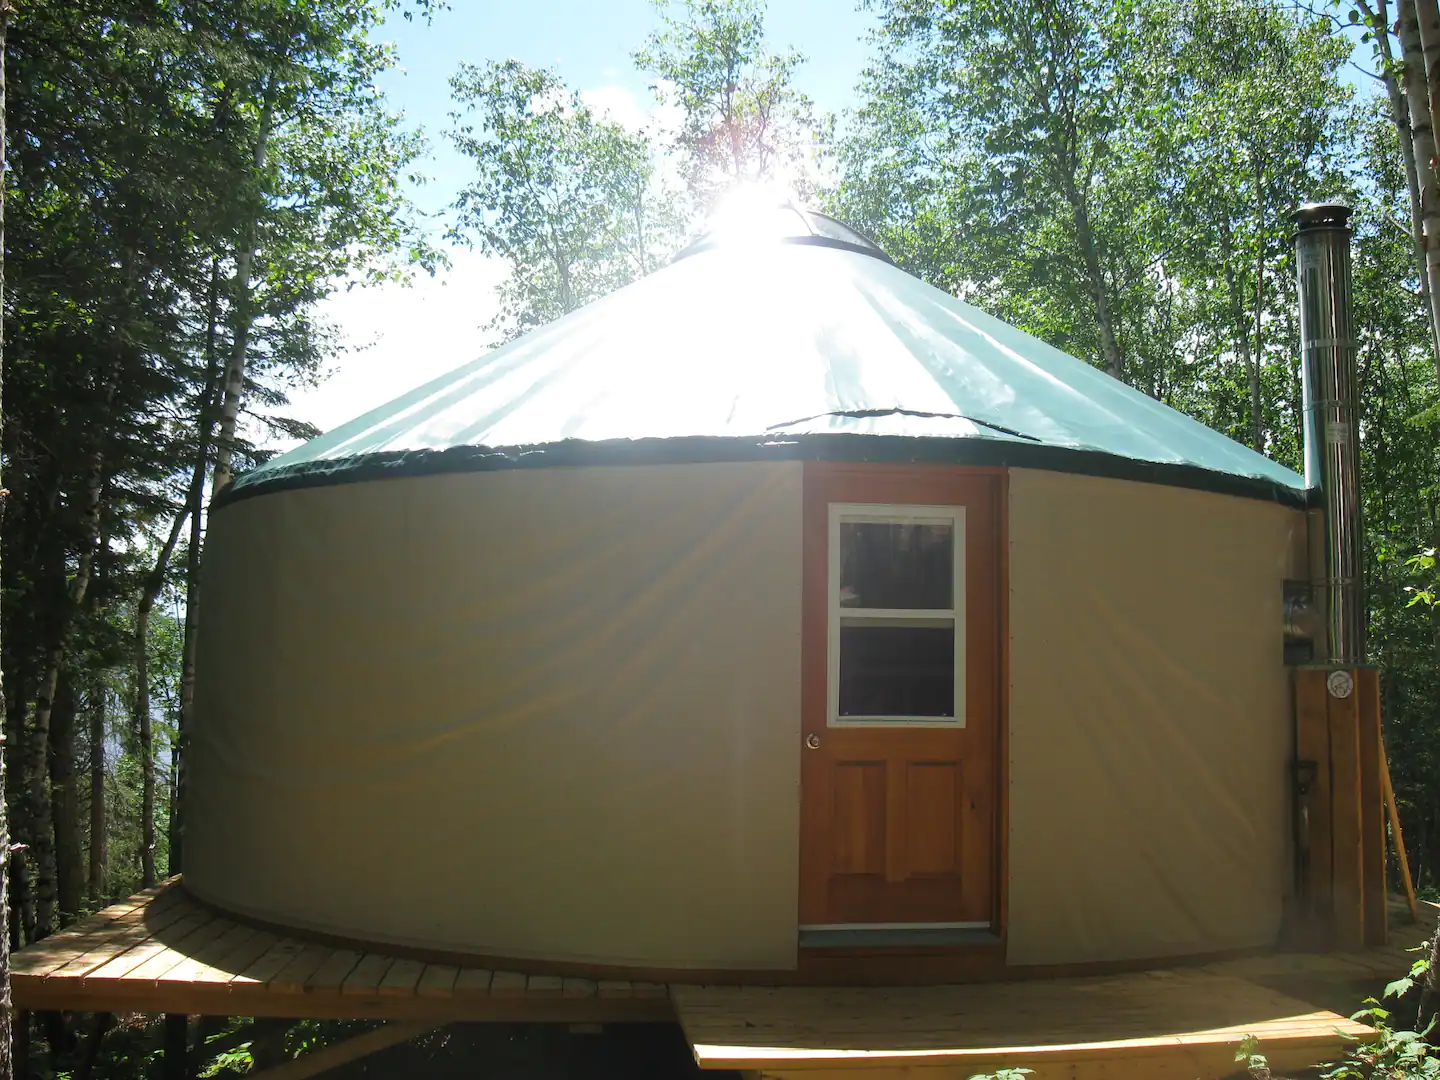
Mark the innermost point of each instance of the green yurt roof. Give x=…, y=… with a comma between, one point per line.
x=793, y=336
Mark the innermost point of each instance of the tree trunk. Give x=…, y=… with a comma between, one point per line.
x=6, y=1061
x=1257, y=399
x=154, y=582
x=244, y=317
x=1400, y=117
x=65, y=802
x=17, y=805
x=1239, y=318
x=99, y=884
x=1427, y=19
x=1104, y=319
x=1422, y=134
x=42, y=825
x=195, y=511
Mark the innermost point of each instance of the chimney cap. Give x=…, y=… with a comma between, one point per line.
x=1322, y=215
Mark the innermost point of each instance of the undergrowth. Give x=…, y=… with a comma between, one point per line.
x=1396, y=1053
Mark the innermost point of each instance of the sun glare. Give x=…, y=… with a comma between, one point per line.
x=750, y=211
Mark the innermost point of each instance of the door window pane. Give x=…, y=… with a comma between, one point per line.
x=897, y=565
x=897, y=671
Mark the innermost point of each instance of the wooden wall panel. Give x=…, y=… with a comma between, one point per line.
x=1312, y=743
x=1342, y=897
x=1345, y=823
x=1372, y=807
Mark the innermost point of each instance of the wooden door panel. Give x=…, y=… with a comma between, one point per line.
x=932, y=820
x=857, y=806
x=899, y=824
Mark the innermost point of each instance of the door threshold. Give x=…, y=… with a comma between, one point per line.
x=893, y=935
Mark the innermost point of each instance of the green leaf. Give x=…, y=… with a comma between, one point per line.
x=1400, y=987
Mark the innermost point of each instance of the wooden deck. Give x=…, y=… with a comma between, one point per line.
x=160, y=952
x=1182, y=1023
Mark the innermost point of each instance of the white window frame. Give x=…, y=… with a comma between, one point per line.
x=895, y=514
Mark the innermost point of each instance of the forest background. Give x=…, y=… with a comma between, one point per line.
x=196, y=189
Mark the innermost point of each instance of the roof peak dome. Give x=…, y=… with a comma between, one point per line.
x=751, y=215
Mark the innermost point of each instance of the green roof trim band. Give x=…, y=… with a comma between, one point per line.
x=857, y=448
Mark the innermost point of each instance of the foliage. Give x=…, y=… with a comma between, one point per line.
x=742, y=118
x=1255, y=1063
x=1395, y=1054
x=567, y=198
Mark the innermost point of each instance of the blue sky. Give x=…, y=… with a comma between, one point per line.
x=589, y=44
x=398, y=337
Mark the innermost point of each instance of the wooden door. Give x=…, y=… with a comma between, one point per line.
x=899, y=815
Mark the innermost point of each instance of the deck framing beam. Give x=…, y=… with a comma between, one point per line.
x=342, y=1053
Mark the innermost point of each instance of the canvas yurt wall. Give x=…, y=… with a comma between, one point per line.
x=554, y=713
x=1149, y=719
x=543, y=713
x=543, y=659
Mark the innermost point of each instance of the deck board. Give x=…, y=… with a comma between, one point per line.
x=295, y=975
x=163, y=952
x=439, y=980
x=474, y=981
x=200, y=964
x=368, y=973
x=232, y=966
x=402, y=977
x=1059, y=1027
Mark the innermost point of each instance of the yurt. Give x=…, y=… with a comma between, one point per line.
x=777, y=617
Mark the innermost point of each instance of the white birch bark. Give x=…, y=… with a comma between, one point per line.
x=244, y=319
x=1422, y=135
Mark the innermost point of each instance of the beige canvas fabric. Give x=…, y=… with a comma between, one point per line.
x=1149, y=719
x=554, y=713
x=537, y=713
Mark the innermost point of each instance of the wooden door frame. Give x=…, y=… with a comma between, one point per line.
x=814, y=675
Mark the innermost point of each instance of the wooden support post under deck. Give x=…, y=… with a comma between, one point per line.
x=342, y=1053
x=177, y=1047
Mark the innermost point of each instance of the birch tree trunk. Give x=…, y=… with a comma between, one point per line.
x=42, y=823
x=154, y=582
x=1400, y=117
x=1064, y=172
x=244, y=317
x=1427, y=18
x=1422, y=134
x=1257, y=399
x=99, y=885
x=1104, y=317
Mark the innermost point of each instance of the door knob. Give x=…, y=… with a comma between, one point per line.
x=812, y=741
